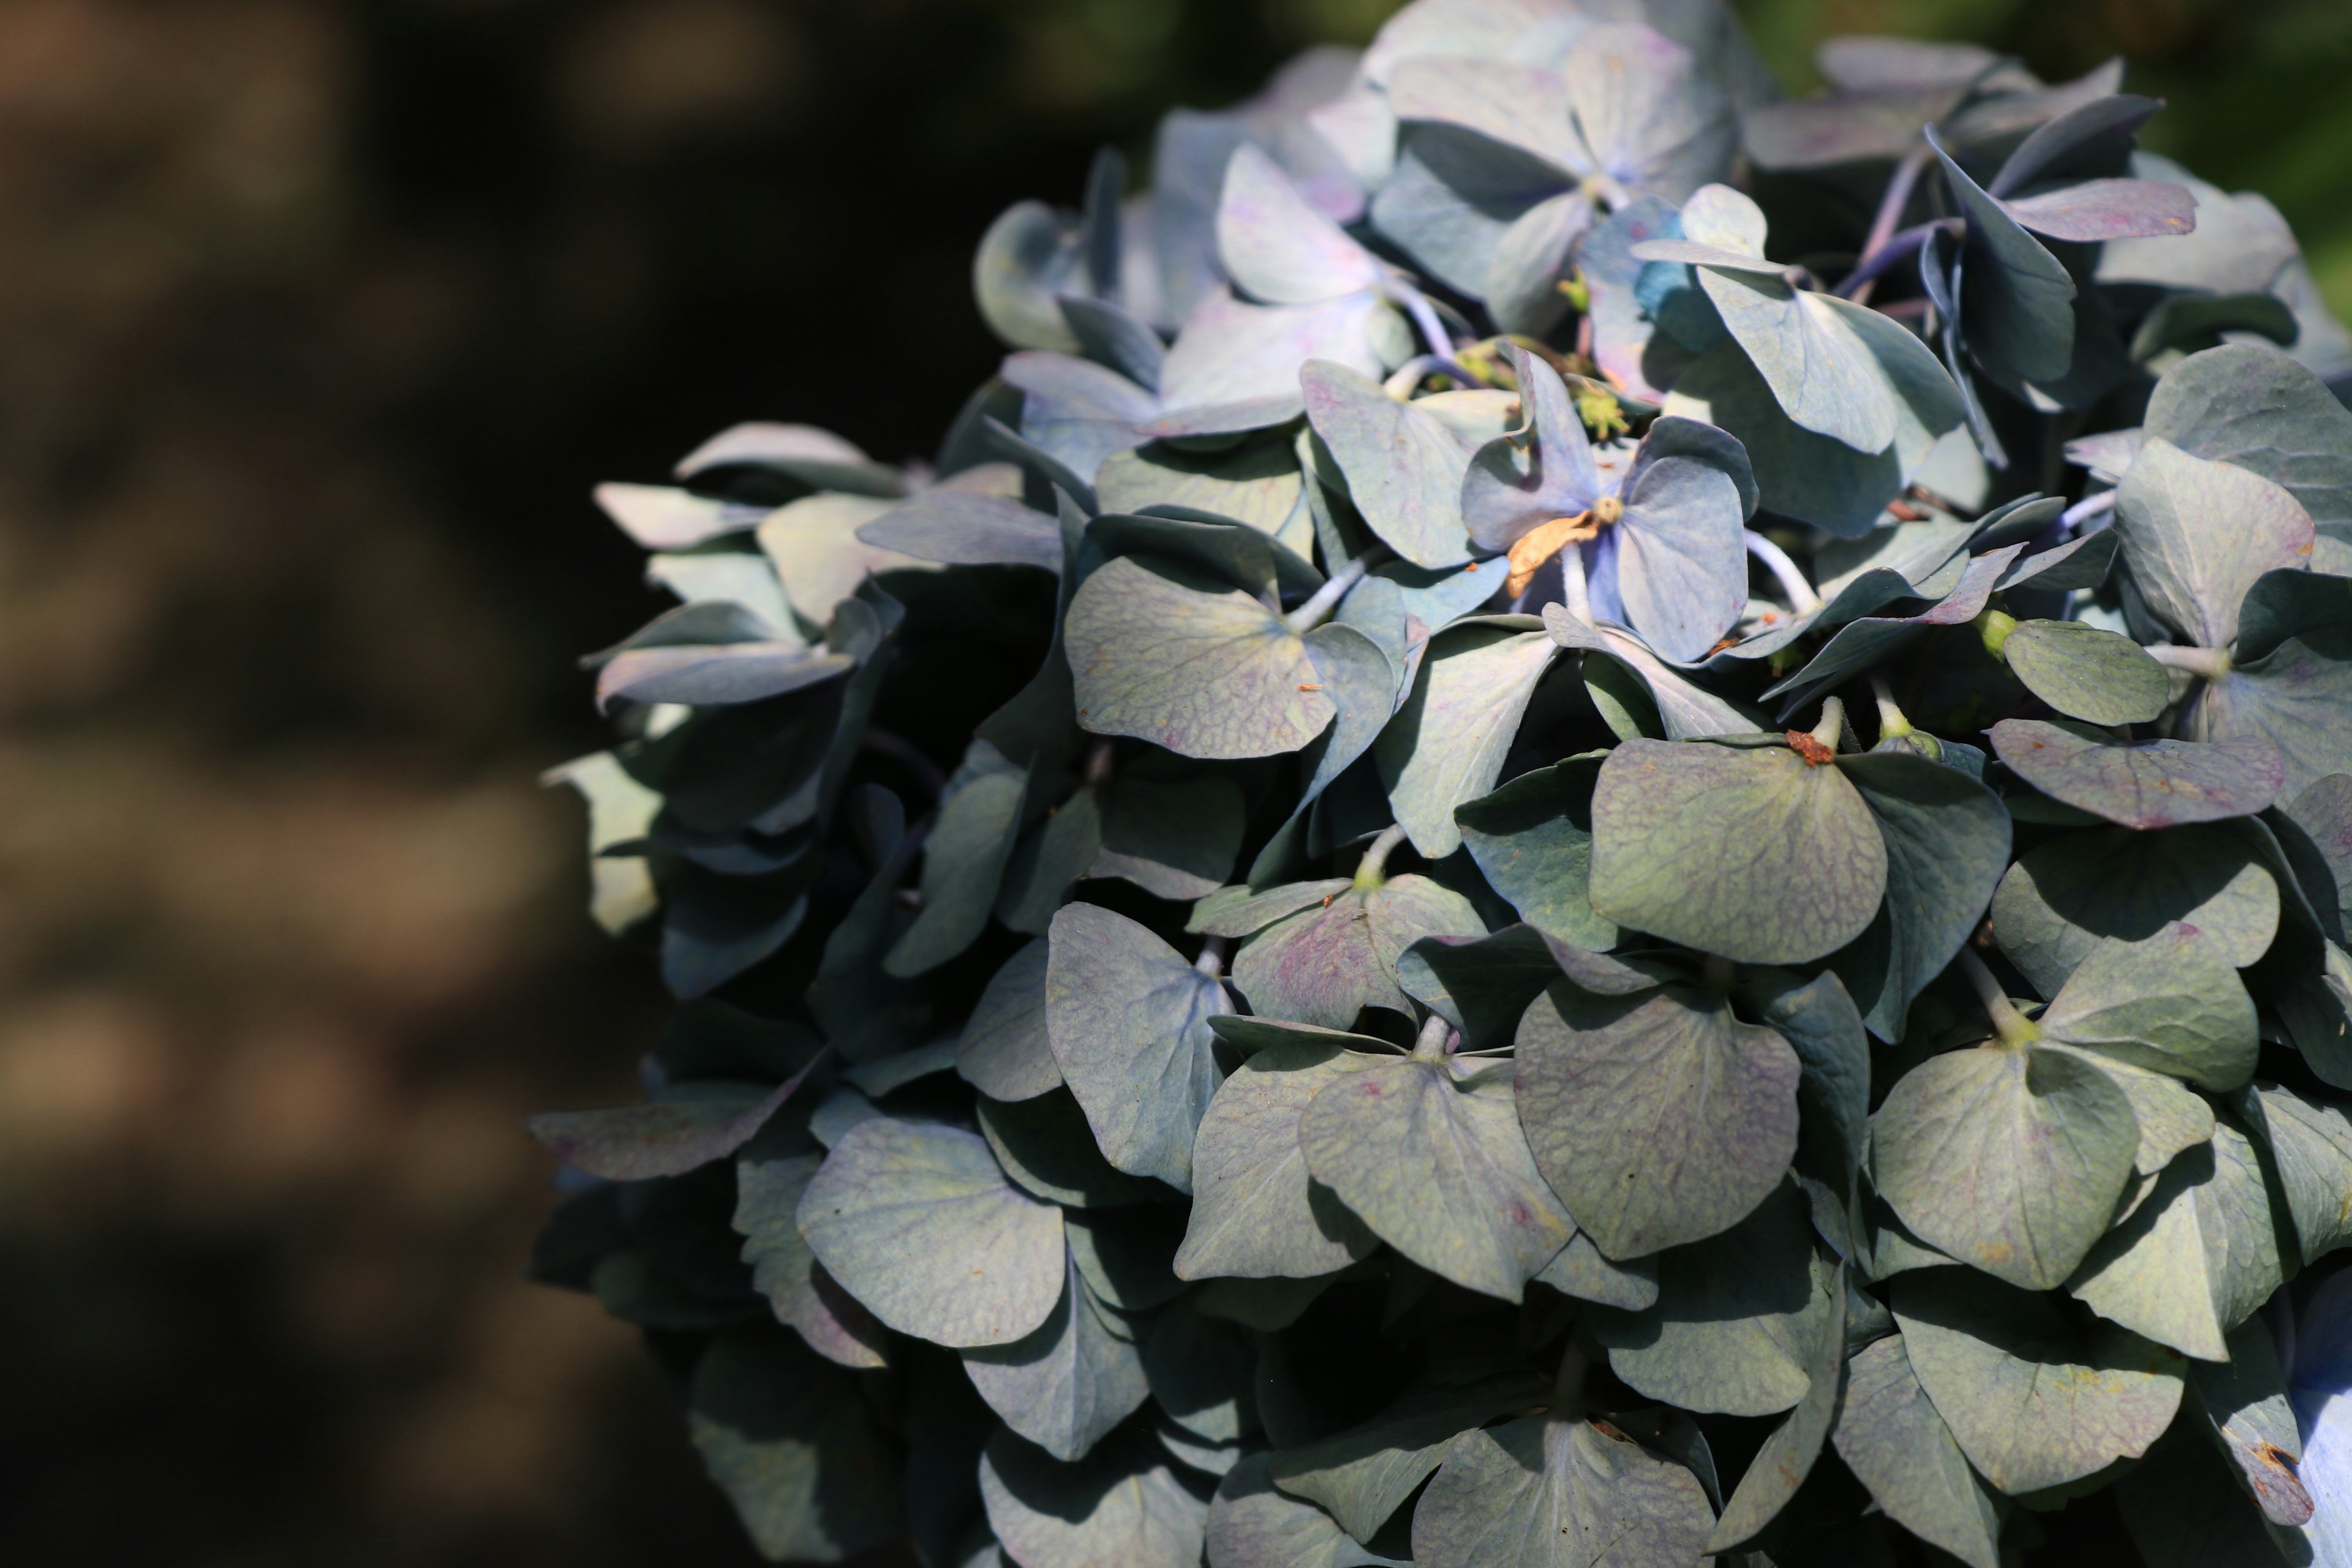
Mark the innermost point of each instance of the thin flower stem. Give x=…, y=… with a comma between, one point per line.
x=2013, y=1027
x=1573, y=593
x=1831, y=729
x=1892, y=203
x=1568, y=1384
x=1431, y=1046
x=1432, y=331
x=1801, y=596
x=1408, y=376
x=2089, y=510
x=1212, y=961
x=2206, y=663
x=1372, y=870
x=1892, y=722
x=1317, y=606
x=1867, y=271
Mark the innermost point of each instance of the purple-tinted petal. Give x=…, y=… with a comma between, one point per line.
x=2088, y=142
x=1519, y=106
x=1277, y=246
x=1814, y=132
x=1230, y=351
x=1863, y=62
x=1650, y=120
x=1404, y=468
x=2108, y=209
x=1521, y=292
x=1077, y=410
x=1546, y=471
x=1682, y=567
x=1621, y=330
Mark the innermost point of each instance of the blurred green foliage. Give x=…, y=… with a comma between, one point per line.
x=2259, y=92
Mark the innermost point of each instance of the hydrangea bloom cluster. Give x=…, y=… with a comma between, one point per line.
x=1595, y=817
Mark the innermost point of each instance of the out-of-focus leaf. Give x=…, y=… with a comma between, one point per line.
x=1030, y=255
x=792, y=1445
x=1076, y=411
x=965, y=527
x=918, y=1222
x=1070, y=1380
x=715, y=675
x=1236, y=365
x=689, y=1125
x=1128, y=1019
x=2093, y=210
x=963, y=859
x=802, y=453
x=660, y=517
x=2033, y=1400
x=820, y=553
x=1276, y=245
x=2257, y=409
x=2016, y=298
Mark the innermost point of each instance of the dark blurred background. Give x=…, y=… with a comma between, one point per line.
x=318, y=318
